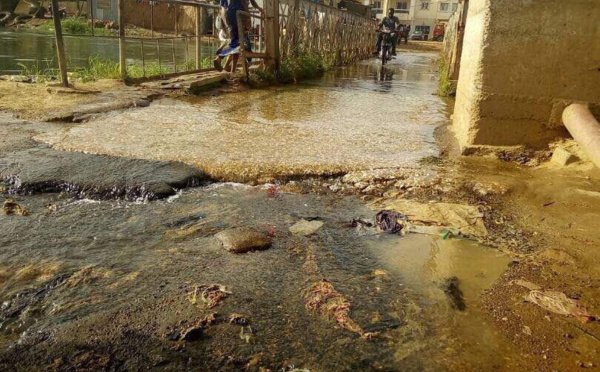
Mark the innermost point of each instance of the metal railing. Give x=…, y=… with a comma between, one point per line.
x=286, y=27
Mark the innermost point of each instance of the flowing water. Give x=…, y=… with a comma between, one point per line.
x=102, y=284
x=356, y=118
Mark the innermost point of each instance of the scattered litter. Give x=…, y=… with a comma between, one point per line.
x=524, y=283
x=527, y=330
x=323, y=298
x=559, y=303
x=306, y=228
x=238, y=319
x=211, y=295
x=356, y=222
x=388, y=221
x=363, y=227
x=452, y=290
x=248, y=335
x=466, y=219
x=272, y=191
x=11, y=207
x=548, y=204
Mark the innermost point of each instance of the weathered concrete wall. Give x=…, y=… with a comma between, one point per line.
x=523, y=61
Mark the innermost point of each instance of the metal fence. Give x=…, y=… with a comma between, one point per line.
x=286, y=27
x=340, y=36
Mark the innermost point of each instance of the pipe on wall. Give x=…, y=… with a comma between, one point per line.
x=584, y=128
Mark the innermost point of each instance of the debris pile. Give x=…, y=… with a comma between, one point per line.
x=211, y=295
x=559, y=303
x=324, y=299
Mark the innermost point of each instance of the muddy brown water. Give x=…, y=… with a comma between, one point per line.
x=358, y=117
x=102, y=284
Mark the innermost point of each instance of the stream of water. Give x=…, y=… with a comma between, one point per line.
x=102, y=284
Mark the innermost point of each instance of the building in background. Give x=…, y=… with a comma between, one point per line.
x=421, y=15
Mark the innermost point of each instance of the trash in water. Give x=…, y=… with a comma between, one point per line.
x=11, y=207
x=467, y=219
x=452, y=290
x=388, y=221
x=248, y=335
x=272, y=191
x=360, y=222
x=238, y=319
x=559, y=303
x=323, y=298
x=211, y=295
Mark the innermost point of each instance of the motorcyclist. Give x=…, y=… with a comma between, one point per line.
x=390, y=22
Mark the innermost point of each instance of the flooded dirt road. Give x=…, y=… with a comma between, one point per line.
x=358, y=117
x=124, y=283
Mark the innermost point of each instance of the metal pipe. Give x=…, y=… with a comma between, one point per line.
x=584, y=128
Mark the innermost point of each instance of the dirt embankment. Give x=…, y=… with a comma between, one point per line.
x=51, y=102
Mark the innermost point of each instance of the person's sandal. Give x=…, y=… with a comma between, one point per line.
x=217, y=64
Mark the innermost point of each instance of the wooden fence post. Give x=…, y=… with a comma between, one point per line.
x=122, y=49
x=272, y=34
x=60, y=45
x=198, y=37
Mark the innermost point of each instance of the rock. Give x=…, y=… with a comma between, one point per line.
x=562, y=157
x=11, y=207
x=306, y=228
x=243, y=239
x=192, y=333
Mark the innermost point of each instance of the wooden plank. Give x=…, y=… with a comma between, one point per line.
x=122, y=49
x=60, y=45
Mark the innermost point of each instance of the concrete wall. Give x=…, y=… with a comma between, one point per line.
x=523, y=61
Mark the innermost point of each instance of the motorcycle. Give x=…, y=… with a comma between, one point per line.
x=386, y=45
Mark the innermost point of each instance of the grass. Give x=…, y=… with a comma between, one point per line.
x=296, y=67
x=74, y=26
x=99, y=68
x=445, y=86
x=38, y=72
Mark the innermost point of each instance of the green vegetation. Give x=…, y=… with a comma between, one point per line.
x=99, y=68
x=445, y=86
x=296, y=67
x=38, y=72
x=74, y=26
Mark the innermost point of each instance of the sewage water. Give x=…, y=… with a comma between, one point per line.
x=129, y=268
x=355, y=118
x=104, y=284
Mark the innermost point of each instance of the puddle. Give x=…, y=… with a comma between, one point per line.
x=423, y=265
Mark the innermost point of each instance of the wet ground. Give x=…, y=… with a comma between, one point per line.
x=359, y=117
x=90, y=282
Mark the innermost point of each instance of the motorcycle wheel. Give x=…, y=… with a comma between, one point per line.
x=384, y=52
